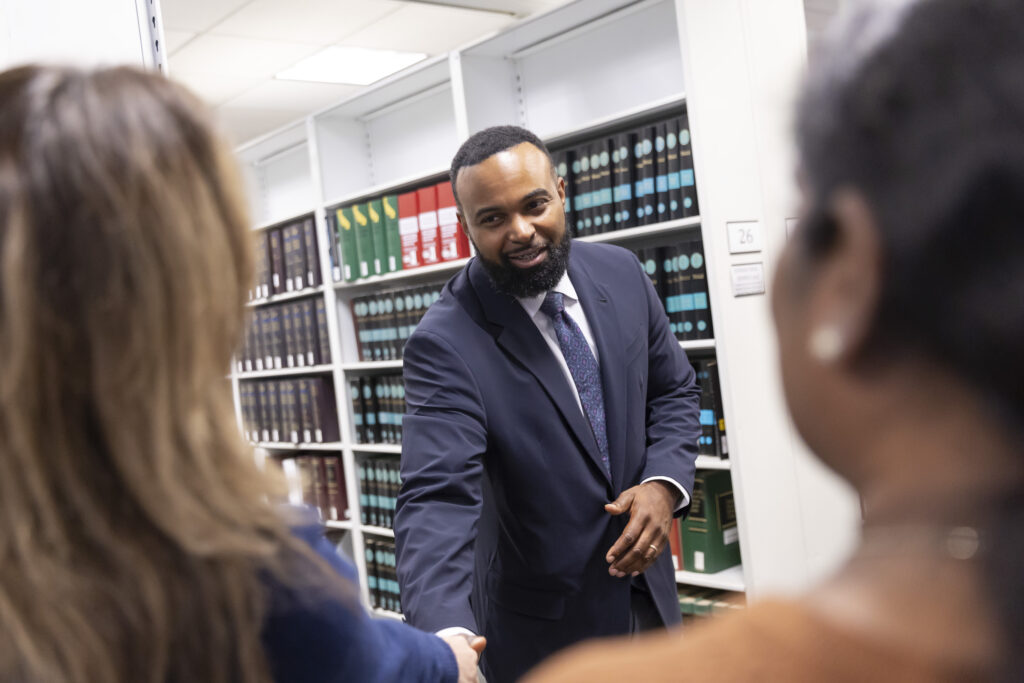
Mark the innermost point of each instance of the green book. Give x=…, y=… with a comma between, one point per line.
x=347, y=241
x=710, y=539
x=364, y=240
x=380, y=246
x=392, y=237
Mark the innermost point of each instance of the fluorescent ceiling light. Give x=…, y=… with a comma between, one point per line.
x=351, y=65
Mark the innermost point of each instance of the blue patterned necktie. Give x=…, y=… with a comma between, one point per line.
x=582, y=366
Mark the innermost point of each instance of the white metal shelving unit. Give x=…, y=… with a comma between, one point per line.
x=566, y=74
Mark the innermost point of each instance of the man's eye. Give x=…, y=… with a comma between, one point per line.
x=490, y=220
x=536, y=204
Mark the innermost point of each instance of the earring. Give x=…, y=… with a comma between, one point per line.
x=826, y=344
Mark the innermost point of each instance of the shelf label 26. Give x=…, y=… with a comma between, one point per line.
x=745, y=236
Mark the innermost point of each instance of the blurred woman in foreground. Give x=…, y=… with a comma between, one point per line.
x=899, y=305
x=136, y=540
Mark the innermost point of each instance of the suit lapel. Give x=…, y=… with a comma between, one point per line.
x=604, y=325
x=519, y=336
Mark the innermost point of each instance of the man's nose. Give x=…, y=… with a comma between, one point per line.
x=520, y=229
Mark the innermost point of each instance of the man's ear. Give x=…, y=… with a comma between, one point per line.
x=851, y=276
x=561, y=188
x=462, y=223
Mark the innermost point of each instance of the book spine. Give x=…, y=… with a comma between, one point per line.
x=701, y=304
x=375, y=212
x=289, y=247
x=448, y=220
x=323, y=503
x=334, y=247
x=368, y=262
x=364, y=499
x=356, y=398
x=305, y=411
x=277, y=274
x=409, y=229
x=324, y=343
x=687, y=181
x=313, y=278
x=359, y=313
x=393, y=238
x=290, y=342
x=349, y=244
x=675, y=191
x=370, y=414
x=661, y=202
x=430, y=242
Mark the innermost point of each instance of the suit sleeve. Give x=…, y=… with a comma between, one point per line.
x=312, y=639
x=443, y=442
x=673, y=400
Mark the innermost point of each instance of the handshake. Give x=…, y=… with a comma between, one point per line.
x=467, y=650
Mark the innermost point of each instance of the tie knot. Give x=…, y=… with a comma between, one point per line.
x=553, y=304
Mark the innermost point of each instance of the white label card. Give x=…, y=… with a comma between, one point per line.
x=747, y=279
x=745, y=237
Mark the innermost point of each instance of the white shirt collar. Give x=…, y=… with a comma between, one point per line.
x=532, y=304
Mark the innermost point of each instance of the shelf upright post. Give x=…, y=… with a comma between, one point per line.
x=333, y=333
x=741, y=62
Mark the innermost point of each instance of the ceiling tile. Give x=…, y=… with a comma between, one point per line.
x=197, y=15
x=432, y=29
x=213, y=87
x=176, y=40
x=319, y=22
x=241, y=124
x=294, y=96
x=230, y=55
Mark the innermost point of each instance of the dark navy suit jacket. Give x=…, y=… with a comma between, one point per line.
x=501, y=526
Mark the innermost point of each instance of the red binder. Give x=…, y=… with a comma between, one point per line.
x=409, y=229
x=454, y=244
x=430, y=235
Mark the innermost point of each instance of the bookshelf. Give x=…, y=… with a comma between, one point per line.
x=722, y=61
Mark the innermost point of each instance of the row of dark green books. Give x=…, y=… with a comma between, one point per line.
x=679, y=275
x=366, y=239
x=287, y=259
x=709, y=601
x=378, y=404
x=318, y=481
x=289, y=410
x=712, y=441
x=385, y=320
x=288, y=335
x=379, y=484
x=630, y=178
x=382, y=575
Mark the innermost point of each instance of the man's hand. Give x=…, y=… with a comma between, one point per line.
x=650, y=506
x=467, y=653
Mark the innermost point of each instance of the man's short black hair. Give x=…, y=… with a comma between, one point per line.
x=487, y=143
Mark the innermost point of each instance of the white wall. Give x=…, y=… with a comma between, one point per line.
x=81, y=32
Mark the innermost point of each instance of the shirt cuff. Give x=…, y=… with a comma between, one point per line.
x=684, y=499
x=454, y=631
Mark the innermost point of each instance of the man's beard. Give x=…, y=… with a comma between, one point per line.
x=523, y=283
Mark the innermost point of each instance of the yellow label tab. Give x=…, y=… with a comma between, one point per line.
x=389, y=210
x=358, y=215
x=374, y=216
x=343, y=220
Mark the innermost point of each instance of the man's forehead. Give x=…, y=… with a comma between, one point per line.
x=524, y=161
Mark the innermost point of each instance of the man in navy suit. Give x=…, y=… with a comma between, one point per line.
x=551, y=432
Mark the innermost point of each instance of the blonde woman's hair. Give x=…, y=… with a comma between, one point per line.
x=136, y=540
